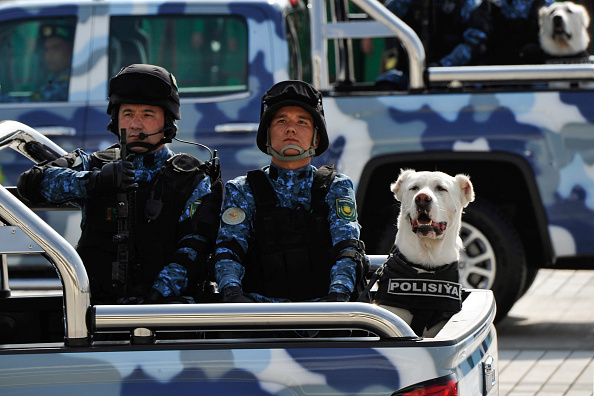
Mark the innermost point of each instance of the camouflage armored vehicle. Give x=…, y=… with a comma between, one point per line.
x=523, y=133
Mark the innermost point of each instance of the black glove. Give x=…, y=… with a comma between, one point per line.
x=113, y=176
x=234, y=294
x=155, y=297
x=338, y=297
x=130, y=300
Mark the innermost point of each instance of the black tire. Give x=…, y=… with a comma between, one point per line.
x=494, y=257
x=530, y=277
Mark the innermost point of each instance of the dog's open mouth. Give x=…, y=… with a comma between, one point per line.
x=559, y=31
x=424, y=225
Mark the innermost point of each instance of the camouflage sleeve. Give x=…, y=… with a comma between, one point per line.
x=236, y=229
x=398, y=7
x=343, y=226
x=173, y=279
x=55, y=89
x=66, y=184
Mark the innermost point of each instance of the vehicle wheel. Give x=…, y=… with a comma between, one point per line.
x=530, y=277
x=494, y=257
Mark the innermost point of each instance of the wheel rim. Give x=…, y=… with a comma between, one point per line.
x=477, y=265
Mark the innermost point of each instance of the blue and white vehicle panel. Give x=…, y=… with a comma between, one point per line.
x=272, y=370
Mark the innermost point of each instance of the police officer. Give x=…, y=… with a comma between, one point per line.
x=289, y=231
x=173, y=200
x=515, y=39
x=454, y=32
x=57, y=40
x=57, y=55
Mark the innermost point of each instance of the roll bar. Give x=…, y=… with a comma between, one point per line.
x=23, y=232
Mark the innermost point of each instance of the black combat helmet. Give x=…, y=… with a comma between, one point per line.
x=292, y=93
x=145, y=84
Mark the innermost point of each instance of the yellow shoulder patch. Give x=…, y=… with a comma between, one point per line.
x=346, y=209
x=233, y=216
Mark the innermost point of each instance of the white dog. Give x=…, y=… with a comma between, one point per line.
x=431, y=206
x=564, y=30
x=420, y=281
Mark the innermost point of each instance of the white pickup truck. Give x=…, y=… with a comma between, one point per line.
x=59, y=344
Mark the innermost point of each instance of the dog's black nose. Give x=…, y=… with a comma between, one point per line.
x=557, y=20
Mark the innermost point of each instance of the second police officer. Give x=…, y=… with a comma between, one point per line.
x=289, y=231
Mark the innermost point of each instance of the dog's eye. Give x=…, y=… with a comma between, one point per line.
x=442, y=189
x=414, y=188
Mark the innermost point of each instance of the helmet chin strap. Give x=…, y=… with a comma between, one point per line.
x=302, y=153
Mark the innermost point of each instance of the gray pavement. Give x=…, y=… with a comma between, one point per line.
x=546, y=343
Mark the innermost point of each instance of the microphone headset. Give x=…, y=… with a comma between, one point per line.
x=143, y=135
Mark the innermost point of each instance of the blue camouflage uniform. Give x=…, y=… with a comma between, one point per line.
x=55, y=89
x=515, y=39
x=70, y=184
x=459, y=28
x=293, y=189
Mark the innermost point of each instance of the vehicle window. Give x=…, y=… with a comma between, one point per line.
x=207, y=54
x=36, y=58
x=298, y=42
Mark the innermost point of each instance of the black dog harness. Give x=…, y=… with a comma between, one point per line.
x=431, y=296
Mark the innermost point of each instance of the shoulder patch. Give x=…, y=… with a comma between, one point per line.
x=194, y=207
x=346, y=209
x=233, y=216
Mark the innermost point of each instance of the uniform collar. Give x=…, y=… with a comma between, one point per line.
x=276, y=172
x=158, y=157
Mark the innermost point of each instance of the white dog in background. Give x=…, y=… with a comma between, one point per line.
x=564, y=30
x=420, y=279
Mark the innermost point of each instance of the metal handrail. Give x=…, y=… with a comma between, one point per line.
x=63, y=256
x=256, y=316
x=27, y=141
x=512, y=73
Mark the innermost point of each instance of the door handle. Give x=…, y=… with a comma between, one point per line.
x=237, y=127
x=56, y=130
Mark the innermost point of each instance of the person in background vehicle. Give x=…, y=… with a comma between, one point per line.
x=173, y=200
x=453, y=32
x=289, y=231
x=57, y=55
x=57, y=41
x=515, y=38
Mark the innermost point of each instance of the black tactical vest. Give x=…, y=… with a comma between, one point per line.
x=291, y=254
x=155, y=208
x=430, y=296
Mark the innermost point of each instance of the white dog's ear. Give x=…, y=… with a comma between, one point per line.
x=395, y=187
x=466, y=188
x=542, y=11
x=584, y=15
